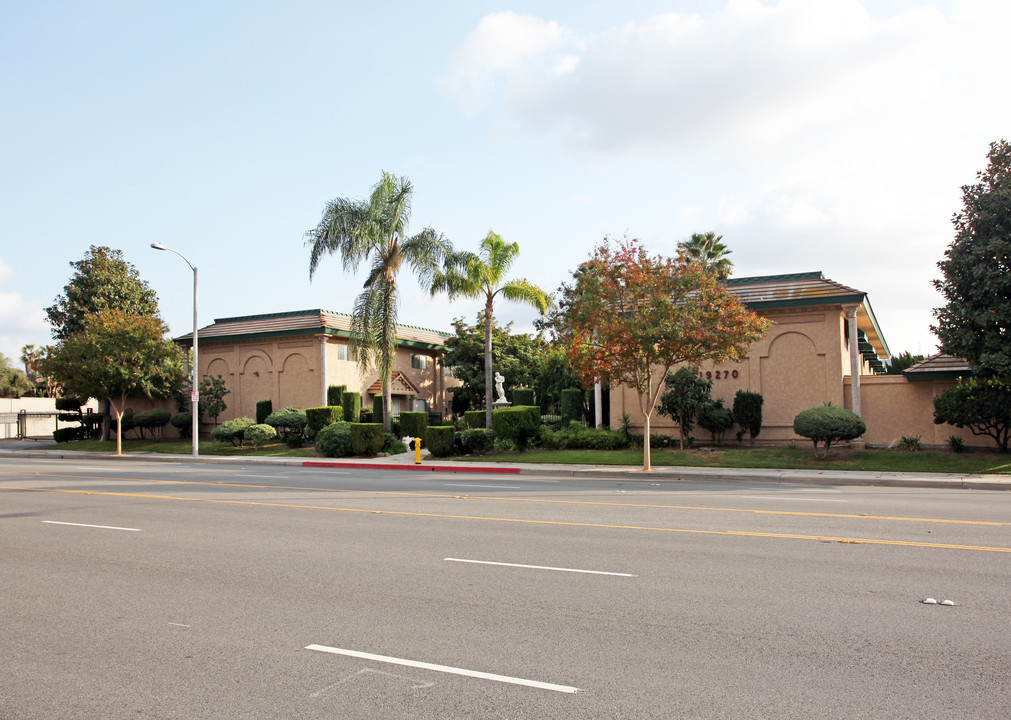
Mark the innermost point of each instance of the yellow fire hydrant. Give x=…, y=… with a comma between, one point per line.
x=417, y=451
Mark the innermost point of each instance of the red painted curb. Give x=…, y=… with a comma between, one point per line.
x=422, y=468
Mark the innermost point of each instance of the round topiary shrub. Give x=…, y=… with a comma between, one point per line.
x=287, y=421
x=232, y=431
x=259, y=434
x=828, y=424
x=334, y=440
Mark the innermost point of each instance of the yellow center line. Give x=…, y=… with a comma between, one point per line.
x=565, y=523
x=651, y=506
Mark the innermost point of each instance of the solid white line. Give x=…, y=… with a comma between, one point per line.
x=272, y=477
x=494, y=487
x=764, y=497
x=100, y=527
x=539, y=567
x=443, y=668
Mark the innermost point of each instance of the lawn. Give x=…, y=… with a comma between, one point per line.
x=773, y=458
x=185, y=447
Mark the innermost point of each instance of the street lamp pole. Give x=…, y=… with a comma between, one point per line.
x=195, y=382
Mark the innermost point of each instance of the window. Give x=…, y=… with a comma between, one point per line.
x=419, y=362
x=420, y=405
x=341, y=351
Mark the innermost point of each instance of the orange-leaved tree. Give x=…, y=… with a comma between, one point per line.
x=628, y=317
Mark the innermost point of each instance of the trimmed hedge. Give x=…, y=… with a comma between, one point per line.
x=474, y=419
x=153, y=419
x=318, y=418
x=367, y=438
x=518, y=424
x=68, y=404
x=440, y=440
x=578, y=437
x=63, y=435
x=259, y=434
x=232, y=431
x=377, y=409
x=263, y=410
x=352, y=404
x=287, y=421
x=334, y=440
x=828, y=424
x=183, y=422
x=747, y=412
x=334, y=393
x=523, y=396
x=414, y=424
x=476, y=441
x=571, y=405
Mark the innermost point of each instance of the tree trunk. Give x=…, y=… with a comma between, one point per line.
x=646, y=460
x=119, y=424
x=106, y=421
x=387, y=407
x=487, y=364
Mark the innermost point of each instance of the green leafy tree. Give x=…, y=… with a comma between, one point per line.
x=981, y=404
x=116, y=355
x=828, y=424
x=902, y=361
x=629, y=317
x=212, y=396
x=518, y=355
x=376, y=230
x=975, y=324
x=687, y=393
x=31, y=356
x=483, y=276
x=554, y=374
x=708, y=249
x=716, y=419
x=14, y=383
x=748, y=414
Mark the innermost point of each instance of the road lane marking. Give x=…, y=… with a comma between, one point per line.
x=443, y=669
x=804, y=499
x=270, y=477
x=100, y=527
x=446, y=516
x=539, y=567
x=492, y=498
x=493, y=487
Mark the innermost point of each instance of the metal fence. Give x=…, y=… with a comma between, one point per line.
x=26, y=425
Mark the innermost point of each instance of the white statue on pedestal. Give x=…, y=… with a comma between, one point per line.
x=498, y=388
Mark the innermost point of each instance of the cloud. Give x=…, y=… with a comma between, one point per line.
x=21, y=321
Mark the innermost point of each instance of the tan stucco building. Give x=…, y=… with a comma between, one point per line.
x=825, y=346
x=291, y=358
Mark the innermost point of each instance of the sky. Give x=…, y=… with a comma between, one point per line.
x=830, y=135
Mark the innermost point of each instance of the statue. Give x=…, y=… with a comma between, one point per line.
x=498, y=388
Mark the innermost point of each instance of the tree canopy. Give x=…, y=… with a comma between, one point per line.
x=981, y=404
x=975, y=324
x=102, y=281
x=14, y=383
x=629, y=318
x=376, y=230
x=116, y=355
x=708, y=248
x=483, y=276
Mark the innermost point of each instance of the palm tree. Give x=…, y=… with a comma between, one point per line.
x=376, y=230
x=474, y=276
x=709, y=249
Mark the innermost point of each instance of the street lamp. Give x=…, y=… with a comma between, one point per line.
x=194, y=389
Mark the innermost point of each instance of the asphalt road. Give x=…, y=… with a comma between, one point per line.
x=135, y=590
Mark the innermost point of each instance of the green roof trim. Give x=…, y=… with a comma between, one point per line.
x=188, y=341
x=760, y=279
x=311, y=313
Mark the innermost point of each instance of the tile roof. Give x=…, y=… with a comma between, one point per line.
x=937, y=367
x=301, y=322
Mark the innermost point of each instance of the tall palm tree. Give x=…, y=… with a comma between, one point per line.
x=709, y=249
x=474, y=276
x=376, y=230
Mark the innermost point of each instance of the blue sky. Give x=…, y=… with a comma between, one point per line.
x=827, y=135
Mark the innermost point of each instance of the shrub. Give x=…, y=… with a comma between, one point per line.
x=352, y=404
x=440, y=440
x=516, y=425
x=414, y=424
x=476, y=441
x=91, y=425
x=523, y=396
x=571, y=404
x=981, y=404
x=578, y=437
x=474, y=418
x=367, y=438
x=377, y=409
x=62, y=435
x=687, y=393
x=956, y=444
x=334, y=440
x=393, y=445
x=183, y=422
x=748, y=414
x=294, y=440
x=259, y=434
x=68, y=404
x=263, y=410
x=320, y=417
x=716, y=419
x=153, y=419
x=232, y=431
x=910, y=443
x=333, y=394
x=287, y=421
x=828, y=424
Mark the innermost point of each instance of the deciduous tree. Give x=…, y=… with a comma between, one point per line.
x=116, y=355
x=981, y=404
x=629, y=318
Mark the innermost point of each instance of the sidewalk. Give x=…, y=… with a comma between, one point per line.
x=405, y=461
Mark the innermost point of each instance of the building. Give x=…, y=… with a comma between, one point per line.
x=825, y=346
x=291, y=358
